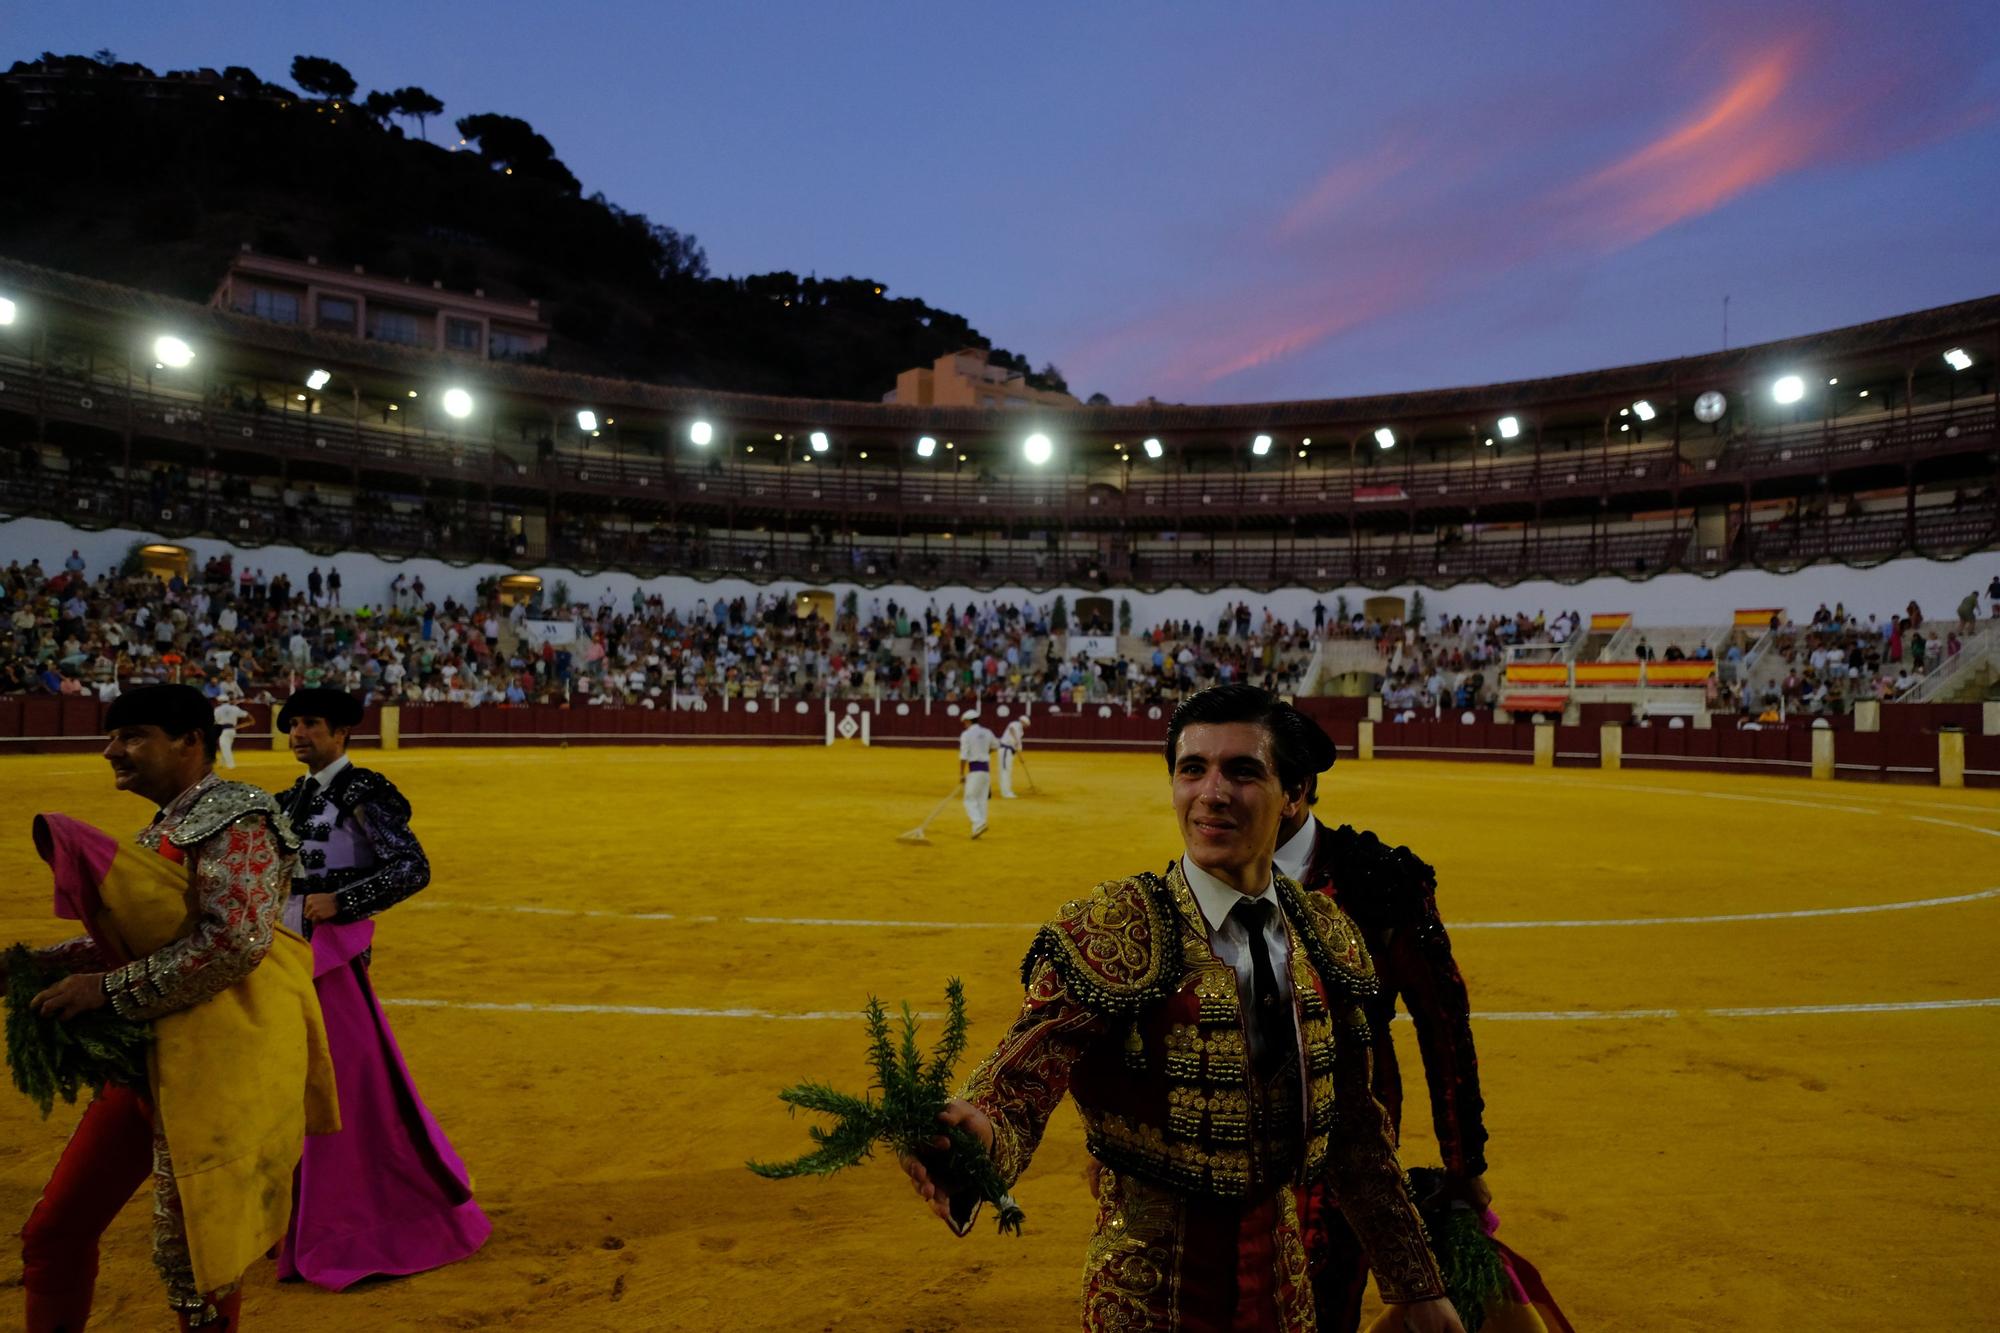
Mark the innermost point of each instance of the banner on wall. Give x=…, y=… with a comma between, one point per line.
x=561, y=633
x=1094, y=646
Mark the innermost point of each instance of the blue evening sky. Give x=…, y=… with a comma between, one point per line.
x=1212, y=203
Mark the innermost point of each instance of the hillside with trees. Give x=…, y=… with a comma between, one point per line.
x=154, y=180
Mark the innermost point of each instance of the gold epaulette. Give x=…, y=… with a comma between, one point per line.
x=1332, y=940
x=1117, y=950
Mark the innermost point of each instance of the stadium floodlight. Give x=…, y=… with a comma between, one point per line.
x=1038, y=448
x=319, y=379
x=1261, y=445
x=1788, y=389
x=8, y=310
x=171, y=351
x=586, y=419
x=1154, y=448
x=701, y=432
x=1958, y=359
x=1509, y=427
x=819, y=442
x=1385, y=437
x=1644, y=410
x=926, y=447
x=457, y=403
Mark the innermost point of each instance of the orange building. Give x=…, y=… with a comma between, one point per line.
x=362, y=305
x=966, y=379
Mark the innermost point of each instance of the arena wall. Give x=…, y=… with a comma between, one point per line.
x=1906, y=749
x=1667, y=599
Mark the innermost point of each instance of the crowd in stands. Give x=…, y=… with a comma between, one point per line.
x=1457, y=665
x=236, y=633
x=74, y=632
x=1838, y=658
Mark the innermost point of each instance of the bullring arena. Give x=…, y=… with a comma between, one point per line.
x=1638, y=657
x=1735, y=1032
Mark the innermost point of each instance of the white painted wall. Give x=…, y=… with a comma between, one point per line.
x=1669, y=599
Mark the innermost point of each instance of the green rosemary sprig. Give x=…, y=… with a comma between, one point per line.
x=904, y=1118
x=61, y=1057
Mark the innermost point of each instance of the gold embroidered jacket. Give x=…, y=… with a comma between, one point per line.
x=1129, y=1011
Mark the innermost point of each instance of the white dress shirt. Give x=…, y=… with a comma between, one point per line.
x=1296, y=852
x=1226, y=936
x=324, y=778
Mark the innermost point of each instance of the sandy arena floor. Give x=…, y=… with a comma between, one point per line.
x=1773, y=1109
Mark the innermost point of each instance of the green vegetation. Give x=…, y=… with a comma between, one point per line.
x=905, y=1119
x=53, y=1058
x=155, y=181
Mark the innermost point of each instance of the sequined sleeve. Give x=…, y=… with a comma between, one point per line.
x=75, y=955
x=1022, y=1082
x=240, y=880
x=400, y=869
x=1369, y=1182
x=1417, y=963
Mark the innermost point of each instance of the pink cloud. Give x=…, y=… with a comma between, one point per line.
x=1477, y=192
x=1756, y=129
x=1350, y=181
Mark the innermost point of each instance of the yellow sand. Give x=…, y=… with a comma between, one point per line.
x=1693, y=1171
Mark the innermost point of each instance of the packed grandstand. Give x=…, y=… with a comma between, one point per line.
x=894, y=552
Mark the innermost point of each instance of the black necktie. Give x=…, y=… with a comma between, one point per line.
x=1270, y=1019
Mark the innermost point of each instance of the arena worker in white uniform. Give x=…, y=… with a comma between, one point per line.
x=1011, y=741
x=975, y=750
x=228, y=715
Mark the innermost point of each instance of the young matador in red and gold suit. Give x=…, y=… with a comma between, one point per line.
x=1392, y=897
x=1210, y=1024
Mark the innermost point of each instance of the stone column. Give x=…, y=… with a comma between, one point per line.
x=1610, y=747
x=1822, y=753
x=1545, y=745
x=392, y=727
x=1364, y=739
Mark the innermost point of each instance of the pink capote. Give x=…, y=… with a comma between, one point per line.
x=387, y=1195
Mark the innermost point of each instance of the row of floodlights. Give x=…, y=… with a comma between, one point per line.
x=170, y=352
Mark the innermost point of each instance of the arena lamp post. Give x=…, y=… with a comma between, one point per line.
x=926, y=446
x=1038, y=449
x=701, y=433
x=171, y=353
x=9, y=312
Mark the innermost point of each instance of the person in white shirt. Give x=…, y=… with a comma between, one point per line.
x=1011, y=742
x=975, y=750
x=228, y=716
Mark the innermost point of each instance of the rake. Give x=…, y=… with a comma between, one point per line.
x=1022, y=760
x=915, y=837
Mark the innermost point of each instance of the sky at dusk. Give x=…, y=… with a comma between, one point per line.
x=1212, y=203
